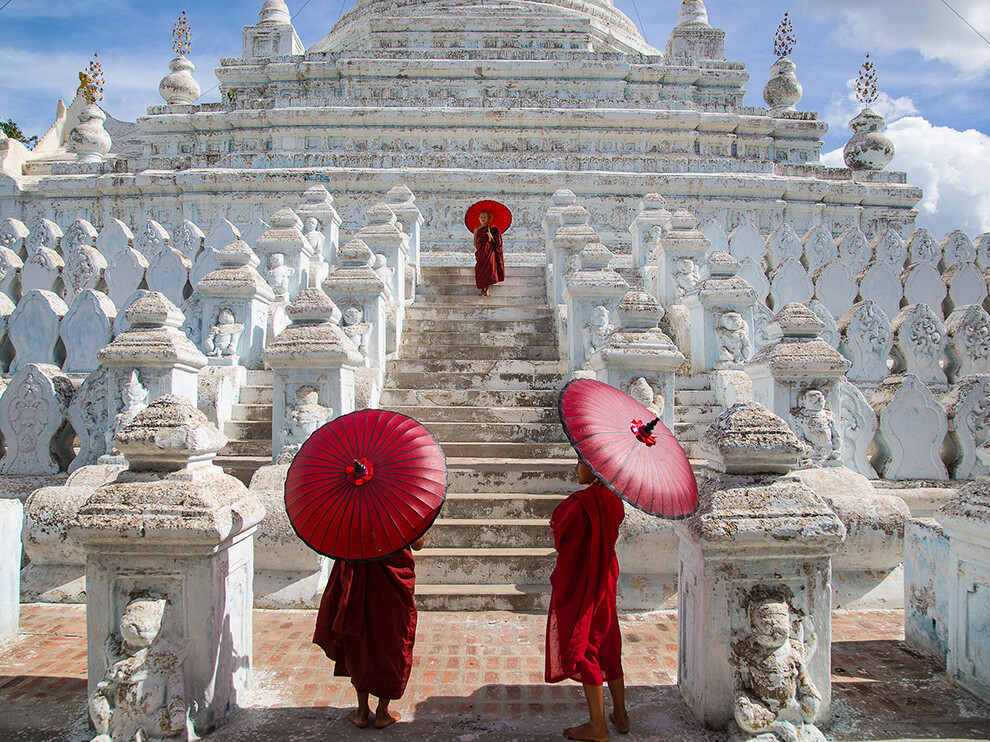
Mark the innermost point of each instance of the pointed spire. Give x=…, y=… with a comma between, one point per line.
x=274, y=11
x=692, y=11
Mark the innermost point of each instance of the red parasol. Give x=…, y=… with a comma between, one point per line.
x=628, y=448
x=365, y=485
x=501, y=216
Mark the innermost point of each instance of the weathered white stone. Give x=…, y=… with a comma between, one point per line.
x=830, y=334
x=11, y=518
x=919, y=342
x=114, y=237
x=790, y=282
x=819, y=248
x=964, y=520
x=967, y=350
x=855, y=249
x=44, y=234
x=88, y=139
x=835, y=287
x=189, y=239
x=678, y=257
x=80, y=232
x=889, y=247
x=286, y=239
x=84, y=269
x=551, y=222
x=10, y=274
x=168, y=274
x=592, y=292
x=6, y=350
x=42, y=271
x=782, y=91
x=926, y=588
x=716, y=236
x=88, y=414
x=179, y=86
x=967, y=409
x=868, y=148
x=646, y=230
x=745, y=241
x=33, y=420
x=965, y=284
x=858, y=423
x=13, y=236
x=783, y=243
x=956, y=248
x=33, y=329
x=981, y=243
x=867, y=339
x=924, y=248
x=924, y=285
x=881, y=283
x=753, y=274
x=86, y=329
x=912, y=427
x=125, y=275
x=402, y=202
x=568, y=240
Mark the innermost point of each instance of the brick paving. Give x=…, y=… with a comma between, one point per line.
x=478, y=677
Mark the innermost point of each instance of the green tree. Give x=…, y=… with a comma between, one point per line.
x=13, y=131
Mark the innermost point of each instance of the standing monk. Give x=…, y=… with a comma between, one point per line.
x=583, y=639
x=367, y=626
x=489, y=266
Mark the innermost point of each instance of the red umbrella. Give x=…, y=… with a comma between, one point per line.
x=628, y=448
x=501, y=216
x=365, y=485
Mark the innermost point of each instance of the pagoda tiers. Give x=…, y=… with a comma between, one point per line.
x=460, y=100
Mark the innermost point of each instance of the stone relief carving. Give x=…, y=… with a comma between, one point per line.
x=89, y=416
x=968, y=348
x=733, y=339
x=919, y=341
x=596, y=332
x=912, y=428
x=858, y=423
x=854, y=249
x=889, y=247
x=867, y=342
x=967, y=407
x=80, y=233
x=224, y=335
x=353, y=324
x=816, y=425
x=277, y=273
x=303, y=418
x=312, y=233
x=32, y=417
x=142, y=695
x=641, y=390
x=775, y=698
x=686, y=277
x=84, y=269
x=133, y=399
x=153, y=239
x=188, y=239
x=924, y=248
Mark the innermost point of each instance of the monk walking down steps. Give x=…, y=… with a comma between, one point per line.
x=488, y=220
x=583, y=639
x=367, y=626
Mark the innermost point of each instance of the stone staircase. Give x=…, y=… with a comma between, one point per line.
x=695, y=407
x=482, y=375
x=249, y=431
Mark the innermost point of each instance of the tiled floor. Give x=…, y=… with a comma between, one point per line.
x=478, y=677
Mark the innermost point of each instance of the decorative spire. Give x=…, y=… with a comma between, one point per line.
x=866, y=83
x=182, y=36
x=784, y=40
x=274, y=11
x=91, y=80
x=692, y=11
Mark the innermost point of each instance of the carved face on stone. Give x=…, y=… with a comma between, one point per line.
x=685, y=265
x=642, y=392
x=812, y=401
x=225, y=317
x=353, y=315
x=142, y=622
x=732, y=321
x=276, y=260
x=307, y=395
x=600, y=317
x=770, y=623
x=312, y=224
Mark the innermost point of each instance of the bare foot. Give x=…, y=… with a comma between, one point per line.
x=359, y=718
x=586, y=732
x=621, y=721
x=386, y=718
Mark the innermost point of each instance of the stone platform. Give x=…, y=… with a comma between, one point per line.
x=478, y=677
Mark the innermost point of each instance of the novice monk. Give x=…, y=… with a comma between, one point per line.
x=489, y=266
x=583, y=639
x=367, y=626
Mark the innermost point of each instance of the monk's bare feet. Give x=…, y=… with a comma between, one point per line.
x=359, y=718
x=386, y=718
x=621, y=721
x=587, y=732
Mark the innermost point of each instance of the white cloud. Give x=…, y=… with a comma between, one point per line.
x=951, y=167
x=925, y=26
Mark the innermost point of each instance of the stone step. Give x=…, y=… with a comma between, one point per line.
x=472, y=327
x=248, y=430
x=393, y=397
x=464, y=338
x=421, y=379
x=692, y=414
x=507, y=450
x=689, y=432
x=694, y=382
x=259, y=377
x=693, y=397
x=515, y=598
x=252, y=448
x=252, y=413
x=469, y=432
x=478, y=368
x=513, y=311
x=484, y=533
x=431, y=414
x=475, y=302
x=435, y=273
x=459, y=505
x=484, y=566
x=493, y=352
x=528, y=476
x=431, y=291
x=256, y=395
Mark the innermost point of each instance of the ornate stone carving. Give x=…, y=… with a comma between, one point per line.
x=790, y=282
x=168, y=274
x=968, y=348
x=33, y=421
x=86, y=329
x=353, y=324
x=889, y=247
x=782, y=244
x=132, y=400
x=819, y=247
x=924, y=285
x=596, y=332
x=733, y=339
x=966, y=285
x=858, y=423
x=745, y=241
x=775, y=698
x=10, y=268
x=686, y=277
x=967, y=409
x=956, y=248
x=641, y=390
x=142, y=694
x=854, y=249
x=924, y=248
x=13, y=236
x=89, y=417
x=867, y=339
x=303, y=417
x=815, y=424
x=868, y=148
x=114, y=237
x=189, y=240
x=224, y=335
x=835, y=287
x=33, y=329
x=830, y=334
x=912, y=427
x=278, y=275
x=42, y=270
x=152, y=240
x=125, y=275
x=919, y=341
x=84, y=269
x=45, y=233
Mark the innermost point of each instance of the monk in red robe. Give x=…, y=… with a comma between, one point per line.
x=367, y=626
x=583, y=639
x=489, y=265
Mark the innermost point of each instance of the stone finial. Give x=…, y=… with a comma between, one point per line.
x=88, y=139
x=722, y=265
x=783, y=91
x=400, y=194
x=312, y=305
x=868, y=148
x=749, y=439
x=595, y=257
x=153, y=310
x=797, y=321
x=379, y=215
x=238, y=254
x=168, y=435
x=356, y=254
x=692, y=11
x=179, y=86
x=563, y=197
x=274, y=11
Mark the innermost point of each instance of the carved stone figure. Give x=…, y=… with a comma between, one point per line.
x=302, y=420
x=133, y=399
x=817, y=426
x=686, y=277
x=642, y=392
x=88, y=415
x=353, y=324
x=142, y=695
x=733, y=339
x=84, y=268
x=316, y=238
x=867, y=339
x=597, y=332
x=775, y=698
x=278, y=274
x=224, y=335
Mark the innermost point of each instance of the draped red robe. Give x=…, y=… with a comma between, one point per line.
x=367, y=623
x=489, y=266
x=583, y=639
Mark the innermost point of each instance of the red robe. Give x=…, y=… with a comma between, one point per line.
x=583, y=639
x=367, y=623
x=489, y=266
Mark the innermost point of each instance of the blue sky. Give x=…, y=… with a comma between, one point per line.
x=934, y=71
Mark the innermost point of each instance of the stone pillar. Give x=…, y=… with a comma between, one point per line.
x=722, y=312
x=235, y=290
x=552, y=221
x=693, y=38
x=592, y=292
x=313, y=363
x=285, y=238
x=756, y=553
x=402, y=202
x=570, y=238
x=678, y=259
x=11, y=517
x=966, y=522
x=169, y=569
x=798, y=378
x=362, y=296
x=647, y=229
x=318, y=204
x=384, y=238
